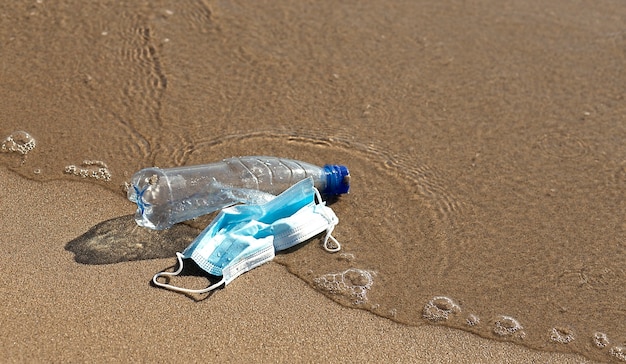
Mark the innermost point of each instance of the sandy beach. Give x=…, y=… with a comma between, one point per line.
x=57, y=310
x=485, y=143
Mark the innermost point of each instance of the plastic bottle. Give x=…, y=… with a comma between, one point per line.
x=165, y=197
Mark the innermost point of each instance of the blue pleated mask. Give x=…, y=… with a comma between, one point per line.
x=243, y=237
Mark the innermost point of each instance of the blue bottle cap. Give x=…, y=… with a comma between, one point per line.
x=337, y=179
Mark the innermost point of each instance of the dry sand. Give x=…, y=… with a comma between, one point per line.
x=57, y=310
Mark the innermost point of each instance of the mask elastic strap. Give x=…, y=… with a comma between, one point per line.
x=331, y=238
x=181, y=289
x=329, y=231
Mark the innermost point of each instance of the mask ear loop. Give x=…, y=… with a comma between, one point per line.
x=330, y=229
x=328, y=237
x=181, y=289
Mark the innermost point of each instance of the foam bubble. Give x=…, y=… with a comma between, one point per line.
x=472, y=320
x=440, y=308
x=618, y=352
x=601, y=340
x=90, y=169
x=352, y=283
x=348, y=257
x=508, y=326
x=18, y=142
x=562, y=335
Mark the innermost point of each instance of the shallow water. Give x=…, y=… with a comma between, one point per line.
x=485, y=142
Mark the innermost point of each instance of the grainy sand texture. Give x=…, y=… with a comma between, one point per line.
x=485, y=141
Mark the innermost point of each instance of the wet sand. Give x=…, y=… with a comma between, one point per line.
x=58, y=310
x=485, y=141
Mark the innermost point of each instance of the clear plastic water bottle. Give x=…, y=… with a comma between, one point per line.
x=165, y=197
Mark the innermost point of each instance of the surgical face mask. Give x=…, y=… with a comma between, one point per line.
x=243, y=237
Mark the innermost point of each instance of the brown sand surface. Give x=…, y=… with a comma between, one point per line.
x=485, y=140
x=57, y=310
